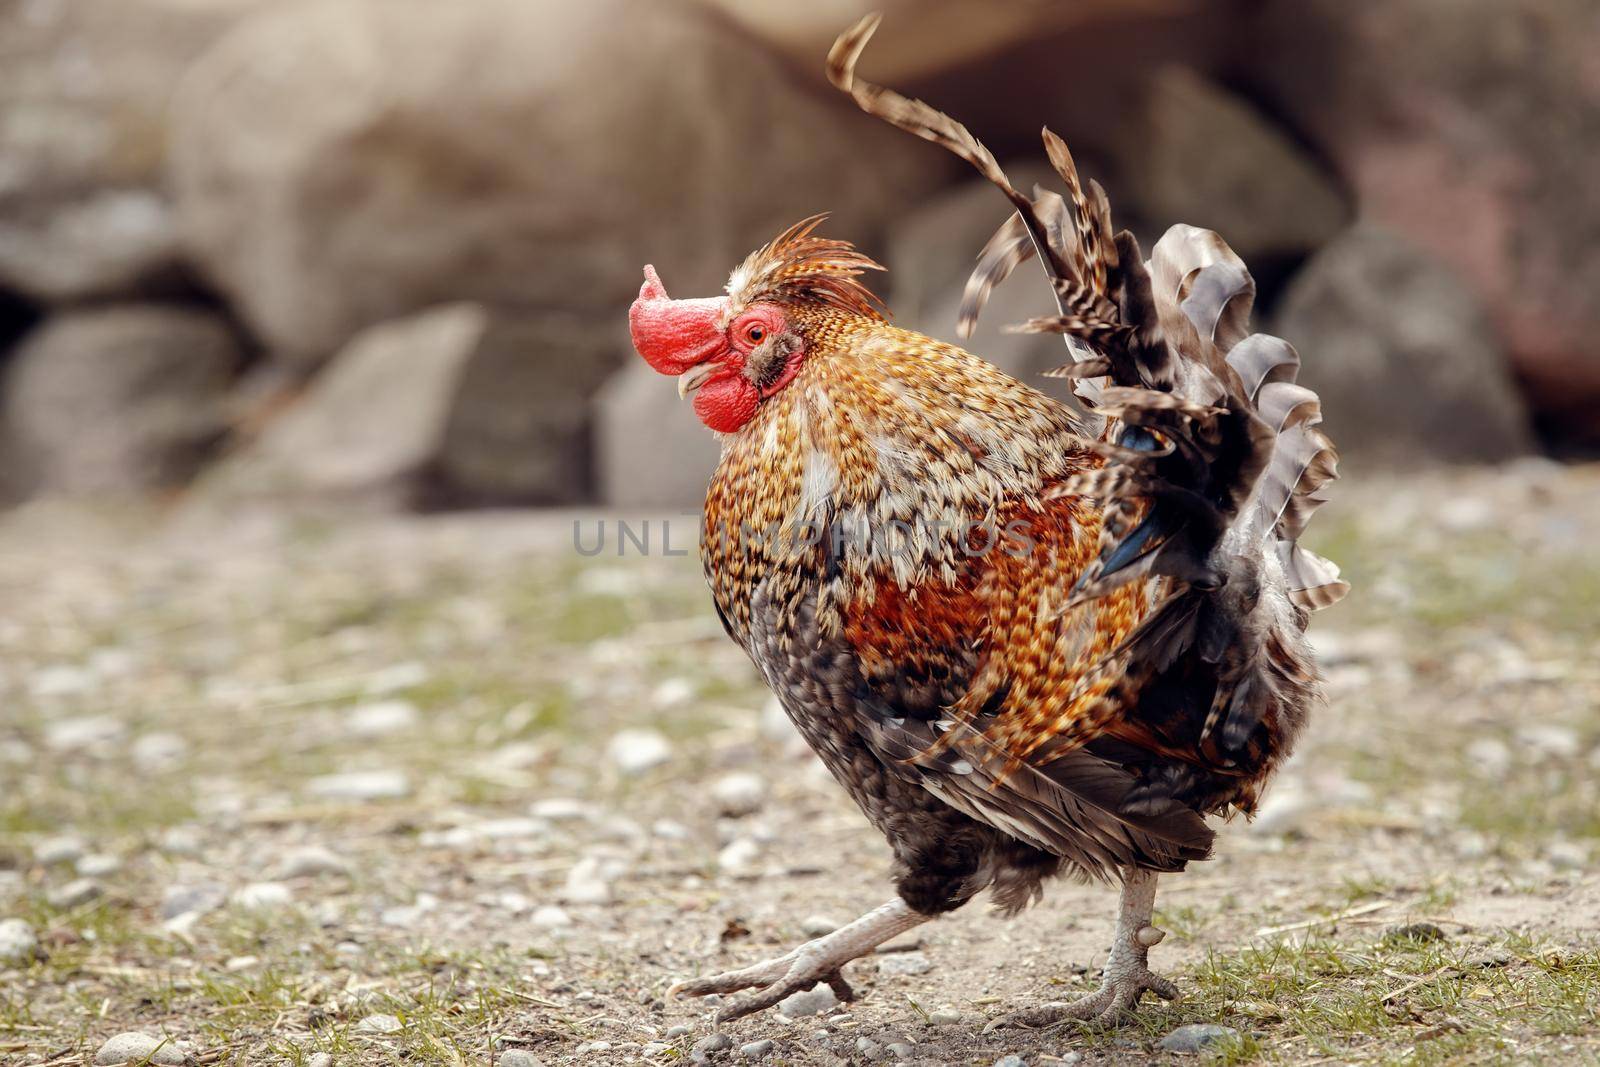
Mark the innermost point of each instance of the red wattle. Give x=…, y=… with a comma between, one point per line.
x=726, y=402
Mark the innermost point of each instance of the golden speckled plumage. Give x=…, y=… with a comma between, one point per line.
x=888, y=426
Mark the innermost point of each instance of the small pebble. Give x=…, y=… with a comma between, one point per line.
x=1011, y=1060
x=99, y=865
x=713, y=1043
x=561, y=809
x=18, y=942
x=517, y=1058
x=309, y=860
x=381, y=719
x=71, y=735
x=638, y=751
x=379, y=1024
x=153, y=753
x=737, y=795
x=738, y=858
x=586, y=883
x=192, y=899
x=1196, y=1037
x=262, y=895
x=54, y=850
x=655, y=1048
x=1418, y=932
x=680, y=1030
x=813, y=1001
x=755, y=1050
x=905, y=963
x=182, y=841
x=137, y=1048
x=945, y=1016
x=818, y=925
x=868, y=1047
x=361, y=785
x=901, y=1051
x=74, y=893
x=550, y=917
x=325, y=1059
x=241, y=963
x=1568, y=855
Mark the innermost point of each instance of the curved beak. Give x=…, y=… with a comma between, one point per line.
x=674, y=336
x=695, y=377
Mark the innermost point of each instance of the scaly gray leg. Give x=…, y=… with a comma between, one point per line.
x=800, y=968
x=1127, y=975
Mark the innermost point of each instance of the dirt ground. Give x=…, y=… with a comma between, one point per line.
x=443, y=790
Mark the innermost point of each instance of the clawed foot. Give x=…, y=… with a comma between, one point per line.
x=1108, y=1005
x=816, y=961
x=777, y=978
x=1127, y=979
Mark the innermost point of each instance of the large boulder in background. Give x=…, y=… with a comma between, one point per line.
x=84, y=91
x=115, y=400
x=650, y=449
x=456, y=405
x=1472, y=127
x=1195, y=153
x=923, y=37
x=339, y=164
x=1402, y=356
x=932, y=251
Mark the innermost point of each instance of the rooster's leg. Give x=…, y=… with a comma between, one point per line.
x=803, y=967
x=1127, y=975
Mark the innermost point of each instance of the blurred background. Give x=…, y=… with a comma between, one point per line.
x=380, y=251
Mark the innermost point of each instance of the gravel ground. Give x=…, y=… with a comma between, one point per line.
x=443, y=790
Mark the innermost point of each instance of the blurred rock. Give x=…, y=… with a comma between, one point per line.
x=56, y=850
x=84, y=88
x=1469, y=127
x=650, y=450
x=361, y=785
x=1267, y=198
x=341, y=164
x=456, y=405
x=382, y=718
x=121, y=242
x=260, y=896
x=116, y=399
x=932, y=251
x=18, y=942
x=637, y=751
x=311, y=860
x=739, y=794
x=1401, y=355
x=74, y=893
x=920, y=37
x=192, y=899
x=94, y=733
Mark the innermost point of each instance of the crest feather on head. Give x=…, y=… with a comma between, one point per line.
x=796, y=267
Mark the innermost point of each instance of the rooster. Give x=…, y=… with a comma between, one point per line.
x=1029, y=641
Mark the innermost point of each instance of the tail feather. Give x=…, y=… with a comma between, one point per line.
x=1215, y=458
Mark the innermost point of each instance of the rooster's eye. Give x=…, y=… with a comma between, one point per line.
x=755, y=333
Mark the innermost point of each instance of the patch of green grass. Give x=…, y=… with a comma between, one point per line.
x=1397, y=1000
